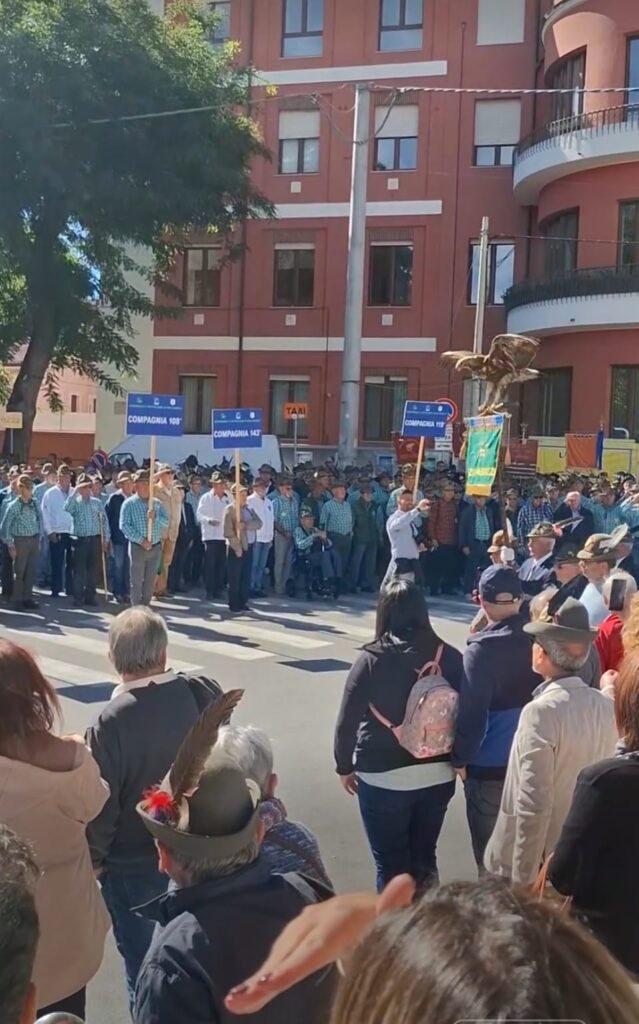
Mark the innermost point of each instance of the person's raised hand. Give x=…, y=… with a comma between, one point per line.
x=322, y=934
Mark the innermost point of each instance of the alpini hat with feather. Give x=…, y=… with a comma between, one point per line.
x=205, y=806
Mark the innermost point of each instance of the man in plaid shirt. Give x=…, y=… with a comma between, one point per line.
x=336, y=517
x=286, y=517
x=90, y=534
x=536, y=510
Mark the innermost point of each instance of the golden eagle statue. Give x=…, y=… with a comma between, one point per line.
x=508, y=362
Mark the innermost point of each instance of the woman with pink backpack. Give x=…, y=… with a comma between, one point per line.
x=395, y=733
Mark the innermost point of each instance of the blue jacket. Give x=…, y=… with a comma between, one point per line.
x=214, y=935
x=467, y=522
x=498, y=681
x=536, y=576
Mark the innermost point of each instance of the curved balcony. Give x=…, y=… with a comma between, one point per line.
x=589, y=299
x=560, y=9
x=578, y=143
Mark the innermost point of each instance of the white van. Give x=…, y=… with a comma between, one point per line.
x=175, y=450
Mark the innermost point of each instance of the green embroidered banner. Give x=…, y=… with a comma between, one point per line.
x=482, y=453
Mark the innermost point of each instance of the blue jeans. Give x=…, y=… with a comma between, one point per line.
x=120, y=570
x=260, y=558
x=403, y=829
x=132, y=934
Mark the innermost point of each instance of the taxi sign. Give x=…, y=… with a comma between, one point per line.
x=295, y=410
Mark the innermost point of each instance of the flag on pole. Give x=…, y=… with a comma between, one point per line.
x=600, y=445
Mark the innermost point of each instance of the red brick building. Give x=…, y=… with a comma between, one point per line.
x=270, y=329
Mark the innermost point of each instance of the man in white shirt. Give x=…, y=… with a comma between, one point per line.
x=401, y=528
x=58, y=526
x=263, y=507
x=567, y=726
x=596, y=560
x=210, y=516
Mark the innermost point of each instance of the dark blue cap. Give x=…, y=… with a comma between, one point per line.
x=499, y=585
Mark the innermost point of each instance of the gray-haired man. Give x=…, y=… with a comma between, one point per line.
x=134, y=741
x=18, y=929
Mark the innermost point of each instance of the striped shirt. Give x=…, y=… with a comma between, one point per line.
x=482, y=525
x=337, y=517
x=89, y=518
x=607, y=517
x=134, y=518
x=304, y=539
x=21, y=519
x=286, y=512
x=529, y=516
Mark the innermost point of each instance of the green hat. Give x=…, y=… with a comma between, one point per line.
x=570, y=624
x=546, y=531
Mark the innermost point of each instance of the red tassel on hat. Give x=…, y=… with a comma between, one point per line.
x=161, y=805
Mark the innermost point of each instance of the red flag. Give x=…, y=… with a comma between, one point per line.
x=581, y=451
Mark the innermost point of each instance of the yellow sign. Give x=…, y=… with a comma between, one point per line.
x=295, y=410
x=10, y=420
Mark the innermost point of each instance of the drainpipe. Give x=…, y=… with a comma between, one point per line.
x=244, y=227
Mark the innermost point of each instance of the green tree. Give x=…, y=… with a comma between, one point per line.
x=85, y=182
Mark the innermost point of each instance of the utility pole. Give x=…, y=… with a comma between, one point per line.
x=480, y=309
x=352, y=358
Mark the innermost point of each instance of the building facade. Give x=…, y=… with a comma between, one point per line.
x=269, y=329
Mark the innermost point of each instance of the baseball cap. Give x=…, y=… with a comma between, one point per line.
x=499, y=585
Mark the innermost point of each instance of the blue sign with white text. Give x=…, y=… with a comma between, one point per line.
x=237, y=428
x=159, y=415
x=425, y=419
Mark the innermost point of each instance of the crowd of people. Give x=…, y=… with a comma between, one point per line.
x=163, y=822
x=137, y=533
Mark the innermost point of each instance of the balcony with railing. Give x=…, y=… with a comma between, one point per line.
x=586, y=299
x=580, y=142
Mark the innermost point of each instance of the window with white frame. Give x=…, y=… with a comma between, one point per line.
x=199, y=400
x=299, y=136
x=384, y=400
x=497, y=132
x=501, y=272
x=391, y=274
x=282, y=390
x=401, y=25
x=202, y=276
x=500, y=21
x=294, y=274
x=396, y=132
x=303, y=29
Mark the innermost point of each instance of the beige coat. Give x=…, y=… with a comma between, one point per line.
x=566, y=727
x=235, y=538
x=172, y=501
x=51, y=810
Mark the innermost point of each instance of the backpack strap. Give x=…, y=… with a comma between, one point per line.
x=431, y=668
x=379, y=716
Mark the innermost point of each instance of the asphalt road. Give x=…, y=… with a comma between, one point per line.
x=291, y=658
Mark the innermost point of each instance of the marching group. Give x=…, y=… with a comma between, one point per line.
x=163, y=822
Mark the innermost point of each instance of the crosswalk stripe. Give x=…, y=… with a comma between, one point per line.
x=248, y=630
x=93, y=645
x=67, y=672
x=221, y=648
x=334, y=625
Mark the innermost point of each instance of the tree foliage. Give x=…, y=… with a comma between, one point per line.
x=85, y=183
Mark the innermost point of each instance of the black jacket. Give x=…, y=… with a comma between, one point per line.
x=498, y=682
x=596, y=858
x=213, y=936
x=383, y=675
x=134, y=741
x=574, y=588
x=583, y=531
x=112, y=509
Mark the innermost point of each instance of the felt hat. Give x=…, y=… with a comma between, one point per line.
x=545, y=531
x=601, y=547
x=84, y=480
x=567, y=555
x=570, y=624
x=124, y=478
x=164, y=468
x=499, y=541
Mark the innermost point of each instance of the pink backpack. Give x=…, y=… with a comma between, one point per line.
x=428, y=729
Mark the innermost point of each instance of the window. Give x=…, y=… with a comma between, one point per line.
x=501, y=271
x=629, y=235
x=500, y=21
x=624, y=411
x=396, y=130
x=222, y=31
x=391, y=275
x=282, y=391
x=74, y=403
x=299, y=133
x=199, y=400
x=632, y=73
x=401, y=25
x=497, y=132
x=202, y=276
x=294, y=276
x=570, y=74
x=384, y=400
x=545, y=403
x=303, y=28
x=94, y=405
x=561, y=234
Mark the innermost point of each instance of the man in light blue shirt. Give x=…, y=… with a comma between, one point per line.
x=144, y=553
x=402, y=527
x=90, y=536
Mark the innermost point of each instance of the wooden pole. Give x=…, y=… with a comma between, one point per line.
x=103, y=554
x=418, y=467
x=238, y=482
x=149, y=528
